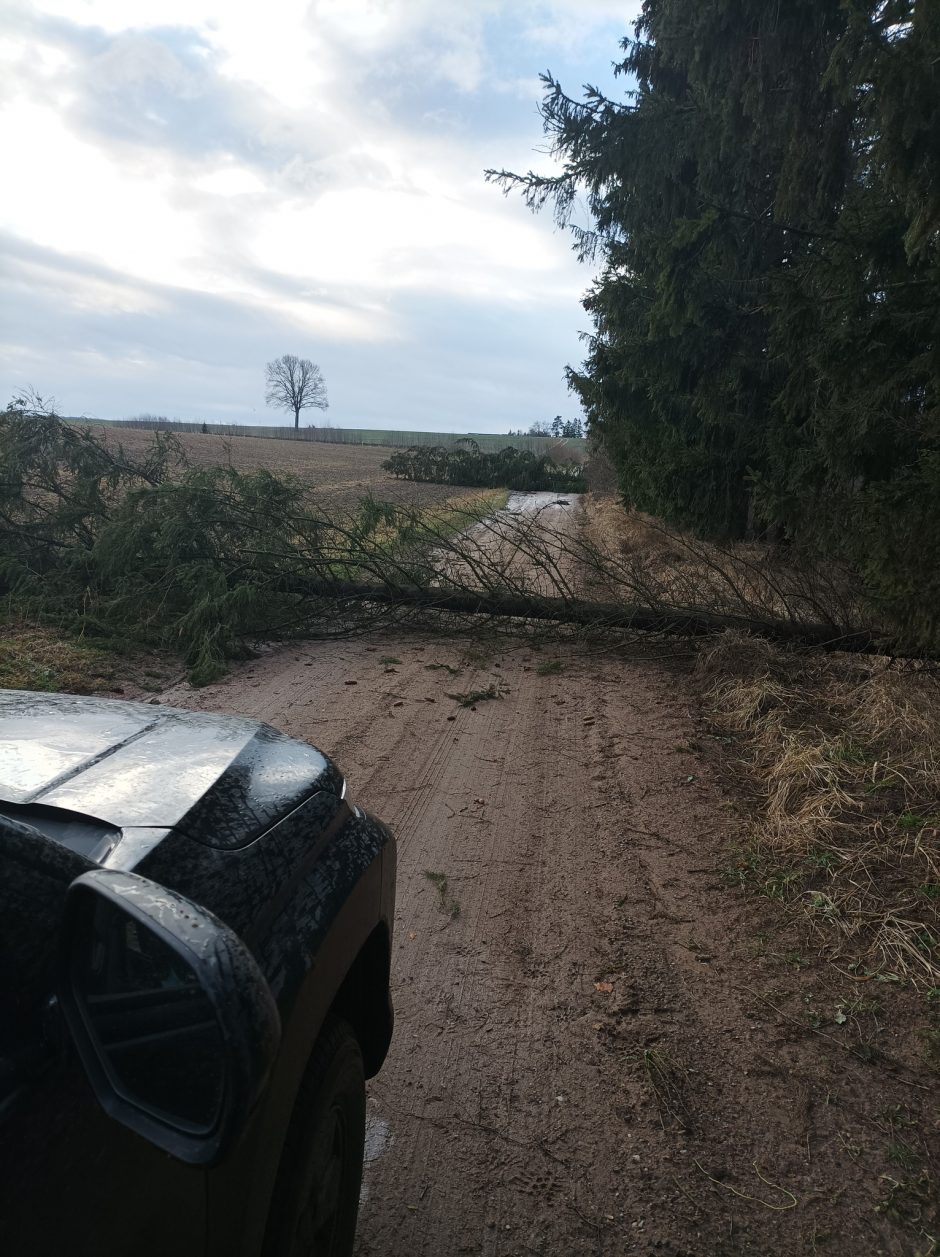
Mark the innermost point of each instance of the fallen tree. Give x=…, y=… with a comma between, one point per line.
x=599, y=616
x=203, y=559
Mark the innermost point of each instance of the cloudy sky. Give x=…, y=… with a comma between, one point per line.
x=194, y=187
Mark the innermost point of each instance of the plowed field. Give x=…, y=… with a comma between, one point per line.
x=342, y=474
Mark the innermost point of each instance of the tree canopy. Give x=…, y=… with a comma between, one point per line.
x=765, y=202
x=557, y=427
x=295, y=384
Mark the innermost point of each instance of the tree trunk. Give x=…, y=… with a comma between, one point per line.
x=296, y=416
x=679, y=622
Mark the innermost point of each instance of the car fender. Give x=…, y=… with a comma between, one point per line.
x=337, y=905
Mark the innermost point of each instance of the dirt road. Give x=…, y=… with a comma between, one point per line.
x=588, y=1055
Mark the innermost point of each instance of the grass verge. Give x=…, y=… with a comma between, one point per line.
x=39, y=657
x=842, y=758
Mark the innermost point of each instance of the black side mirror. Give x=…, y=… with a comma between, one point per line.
x=171, y=1016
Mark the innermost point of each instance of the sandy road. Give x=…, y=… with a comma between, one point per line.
x=524, y=1108
x=522, y=548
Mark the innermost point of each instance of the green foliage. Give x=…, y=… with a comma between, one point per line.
x=195, y=559
x=766, y=204
x=550, y=667
x=58, y=485
x=156, y=548
x=190, y=544
x=446, y=902
x=472, y=697
x=469, y=465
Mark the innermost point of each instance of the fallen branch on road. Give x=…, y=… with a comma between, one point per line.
x=202, y=559
x=522, y=606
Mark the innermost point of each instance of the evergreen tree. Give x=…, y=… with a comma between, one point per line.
x=766, y=203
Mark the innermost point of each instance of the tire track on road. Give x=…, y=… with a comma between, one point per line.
x=521, y=1109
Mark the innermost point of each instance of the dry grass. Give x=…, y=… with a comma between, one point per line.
x=37, y=657
x=450, y=515
x=842, y=753
x=669, y=1082
x=666, y=566
x=843, y=756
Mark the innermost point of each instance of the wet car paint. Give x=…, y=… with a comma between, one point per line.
x=221, y=779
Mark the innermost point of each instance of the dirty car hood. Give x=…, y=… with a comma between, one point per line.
x=222, y=780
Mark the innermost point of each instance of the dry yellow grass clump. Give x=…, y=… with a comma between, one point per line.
x=843, y=756
x=34, y=656
x=842, y=753
x=37, y=658
x=648, y=562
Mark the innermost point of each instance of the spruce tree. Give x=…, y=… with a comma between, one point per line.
x=765, y=199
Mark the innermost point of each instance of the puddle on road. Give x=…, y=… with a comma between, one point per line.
x=495, y=527
x=524, y=503
x=378, y=1141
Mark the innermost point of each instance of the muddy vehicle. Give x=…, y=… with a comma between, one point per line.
x=195, y=933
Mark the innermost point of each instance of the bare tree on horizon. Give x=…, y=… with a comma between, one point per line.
x=295, y=384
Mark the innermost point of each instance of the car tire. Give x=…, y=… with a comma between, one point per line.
x=316, y=1197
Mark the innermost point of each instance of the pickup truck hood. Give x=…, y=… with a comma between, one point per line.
x=221, y=780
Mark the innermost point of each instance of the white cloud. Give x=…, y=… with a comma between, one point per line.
x=132, y=59
x=386, y=239
x=317, y=163
x=229, y=181
x=74, y=197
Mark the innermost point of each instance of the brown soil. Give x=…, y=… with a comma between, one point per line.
x=600, y=1046
x=342, y=473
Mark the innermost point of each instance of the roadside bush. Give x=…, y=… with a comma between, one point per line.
x=166, y=552
x=507, y=468
x=194, y=559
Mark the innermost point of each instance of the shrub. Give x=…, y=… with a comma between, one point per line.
x=507, y=468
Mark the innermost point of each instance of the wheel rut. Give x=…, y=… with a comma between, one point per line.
x=583, y=1060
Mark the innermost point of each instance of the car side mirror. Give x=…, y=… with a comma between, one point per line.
x=172, y=1018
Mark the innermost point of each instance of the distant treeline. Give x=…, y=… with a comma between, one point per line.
x=341, y=436
x=508, y=468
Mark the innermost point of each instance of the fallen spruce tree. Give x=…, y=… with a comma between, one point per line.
x=203, y=559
